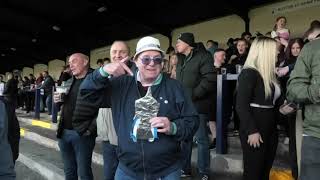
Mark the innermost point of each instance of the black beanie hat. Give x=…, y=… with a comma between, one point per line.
x=187, y=38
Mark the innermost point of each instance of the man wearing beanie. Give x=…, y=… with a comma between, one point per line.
x=195, y=72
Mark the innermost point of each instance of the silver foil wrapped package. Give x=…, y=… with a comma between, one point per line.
x=146, y=108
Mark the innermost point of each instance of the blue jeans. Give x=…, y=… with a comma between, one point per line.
x=203, y=148
x=49, y=103
x=310, y=161
x=110, y=160
x=76, y=154
x=121, y=175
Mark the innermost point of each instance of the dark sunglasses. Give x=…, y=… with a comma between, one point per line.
x=147, y=59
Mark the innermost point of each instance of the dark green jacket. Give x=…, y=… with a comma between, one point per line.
x=196, y=73
x=304, y=86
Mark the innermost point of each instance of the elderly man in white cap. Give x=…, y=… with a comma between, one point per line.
x=151, y=113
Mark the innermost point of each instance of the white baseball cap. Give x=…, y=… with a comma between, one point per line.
x=148, y=43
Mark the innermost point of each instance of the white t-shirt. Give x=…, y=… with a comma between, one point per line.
x=1, y=88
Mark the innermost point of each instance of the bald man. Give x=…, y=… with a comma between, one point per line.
x=76, y=135
x=105, y=127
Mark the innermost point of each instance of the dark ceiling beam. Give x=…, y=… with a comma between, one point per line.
x=166, y=31
x=246, y=19
x=43, y=19
x=242, y=10
x=16, y=63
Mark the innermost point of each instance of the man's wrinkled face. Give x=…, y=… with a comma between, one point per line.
x=118, y=51
x=78, y=64
x=149, y=64
x=181, y=46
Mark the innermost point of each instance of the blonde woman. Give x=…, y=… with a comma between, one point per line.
x=258, y=91
x=173, y=66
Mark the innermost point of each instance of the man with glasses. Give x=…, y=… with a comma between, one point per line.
x=196, y=73
x=151, y=113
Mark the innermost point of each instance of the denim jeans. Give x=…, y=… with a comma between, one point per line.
x=121, y=175
x=310, y=161
x=76, y=154
x=110, y=160
x=49, y=103
x=203, y=148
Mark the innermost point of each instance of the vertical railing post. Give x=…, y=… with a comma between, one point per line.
x=54, y=108
x=221, y=145
x=37, y=104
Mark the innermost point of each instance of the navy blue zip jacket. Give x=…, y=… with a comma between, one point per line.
x=143, y=159
x=6, y=161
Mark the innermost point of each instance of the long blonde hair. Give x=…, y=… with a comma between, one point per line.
x=263, y=57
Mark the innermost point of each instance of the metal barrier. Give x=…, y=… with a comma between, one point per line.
x=54, y=108
x=221, y=146
x=37, y=103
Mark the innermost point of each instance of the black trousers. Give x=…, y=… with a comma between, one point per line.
x=257, y=162
x=292, y=145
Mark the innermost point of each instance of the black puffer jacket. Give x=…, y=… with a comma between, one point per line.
x=84, y=114
x=196, y=73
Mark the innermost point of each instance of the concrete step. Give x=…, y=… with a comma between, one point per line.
x=45, y=149
x=23, y=172
x=47, y=161
x=44, y=133
x=47, y=138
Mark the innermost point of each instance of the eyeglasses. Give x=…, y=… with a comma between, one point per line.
x=146, y=60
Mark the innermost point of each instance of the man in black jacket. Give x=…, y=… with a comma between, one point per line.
x=6, y=162
x=47, y=86
x=13, y=128
x=76, y=131
x=11, y=90
x=195, y=71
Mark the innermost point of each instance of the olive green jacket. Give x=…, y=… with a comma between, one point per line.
x=304, y=86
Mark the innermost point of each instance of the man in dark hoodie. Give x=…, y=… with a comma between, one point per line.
x=196, y=73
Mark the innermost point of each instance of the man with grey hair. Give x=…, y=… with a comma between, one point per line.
x=76, y=131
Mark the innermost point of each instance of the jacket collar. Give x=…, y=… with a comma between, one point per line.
x=156, y=82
